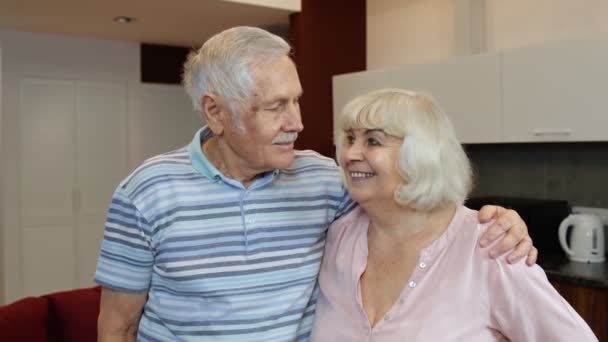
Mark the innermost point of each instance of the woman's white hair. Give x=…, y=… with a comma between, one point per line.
x=223, y=64
x=434, y=166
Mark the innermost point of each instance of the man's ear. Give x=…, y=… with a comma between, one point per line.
x=213, y=113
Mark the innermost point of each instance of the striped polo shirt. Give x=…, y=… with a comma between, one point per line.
x=220, y=261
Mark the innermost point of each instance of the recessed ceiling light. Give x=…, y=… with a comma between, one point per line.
x=124, y=19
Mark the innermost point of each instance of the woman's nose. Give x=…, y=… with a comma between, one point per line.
x=354, y=152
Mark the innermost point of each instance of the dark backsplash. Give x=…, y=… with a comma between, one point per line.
x=577, y=172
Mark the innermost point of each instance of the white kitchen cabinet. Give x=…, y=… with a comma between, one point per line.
x=467, y=88
x=556, y=92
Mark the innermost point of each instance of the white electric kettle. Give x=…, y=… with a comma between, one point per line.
x=586, y=239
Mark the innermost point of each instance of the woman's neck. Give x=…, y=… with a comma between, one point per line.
x=402, y=225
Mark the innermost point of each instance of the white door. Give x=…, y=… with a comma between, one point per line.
x=101, y=163
x=65, y=106
x=47, y=184
x=73, y=153
x=2, y=251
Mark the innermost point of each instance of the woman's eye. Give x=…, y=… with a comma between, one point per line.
x=350, y=139
x=373, y=142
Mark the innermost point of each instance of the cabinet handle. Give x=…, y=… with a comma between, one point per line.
x=540, y=132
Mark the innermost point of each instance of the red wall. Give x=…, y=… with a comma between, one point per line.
x=329, y=38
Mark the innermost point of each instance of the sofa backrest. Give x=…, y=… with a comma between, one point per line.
x=66, y=316
x=73, y=314
x=25, y=320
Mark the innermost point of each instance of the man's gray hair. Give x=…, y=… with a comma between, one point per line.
x=222, y=65
x=434, y=166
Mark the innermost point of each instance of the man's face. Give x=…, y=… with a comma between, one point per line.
x=264, y=138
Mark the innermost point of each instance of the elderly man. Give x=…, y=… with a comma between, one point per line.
x=223, y=239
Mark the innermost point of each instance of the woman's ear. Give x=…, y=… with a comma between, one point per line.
x=212, y=113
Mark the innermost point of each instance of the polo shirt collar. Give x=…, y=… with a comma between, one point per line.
x=198, y=159
x=200, y=162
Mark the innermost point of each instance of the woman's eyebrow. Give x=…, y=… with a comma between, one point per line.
x=372, y=130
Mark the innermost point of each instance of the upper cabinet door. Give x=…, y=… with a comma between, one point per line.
x=556, y=92
x=467, y=89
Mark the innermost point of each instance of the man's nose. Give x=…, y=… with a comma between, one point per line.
x=293, y=119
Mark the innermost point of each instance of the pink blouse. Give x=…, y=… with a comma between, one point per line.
x=456, y=293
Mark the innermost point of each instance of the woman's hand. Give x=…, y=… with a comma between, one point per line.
x=516, y=238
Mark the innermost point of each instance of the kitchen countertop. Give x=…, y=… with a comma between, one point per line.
x=559, y=268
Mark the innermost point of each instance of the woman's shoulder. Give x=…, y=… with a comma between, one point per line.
x=472, y=230
x=355, y=215
x=465, y=232
x=470, y=226
x=354, y=220
x=466, y=226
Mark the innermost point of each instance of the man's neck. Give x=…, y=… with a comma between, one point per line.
x=215, y=152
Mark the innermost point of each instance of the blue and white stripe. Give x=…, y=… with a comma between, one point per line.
x=220, y=261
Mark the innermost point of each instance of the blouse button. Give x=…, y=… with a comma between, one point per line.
x=412, y=284
x=422, y=265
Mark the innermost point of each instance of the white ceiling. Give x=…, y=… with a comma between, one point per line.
x=177, y=22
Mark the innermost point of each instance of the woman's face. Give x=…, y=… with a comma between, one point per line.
x=369, y=160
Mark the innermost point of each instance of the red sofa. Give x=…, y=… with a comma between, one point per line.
x=68, y=316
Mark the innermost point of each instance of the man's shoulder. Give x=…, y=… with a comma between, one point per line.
x=164, y=165
x=312, y=158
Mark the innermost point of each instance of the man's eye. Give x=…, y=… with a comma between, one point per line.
x=276, y=107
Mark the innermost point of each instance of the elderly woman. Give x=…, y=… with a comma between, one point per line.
x=406, y=264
